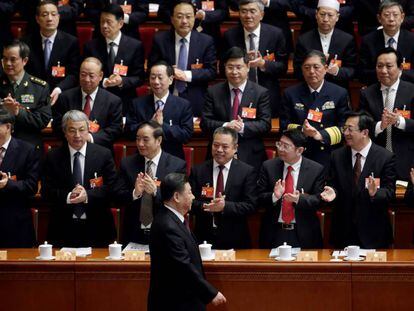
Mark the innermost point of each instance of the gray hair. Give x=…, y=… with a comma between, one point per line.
x=227, y=131
x=75, y=116
x=389, y=3
x=258, y=2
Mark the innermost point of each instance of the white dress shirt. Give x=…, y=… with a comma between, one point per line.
x=364, y=154
x=256, y=38
x=387, y=37
x=325, y=41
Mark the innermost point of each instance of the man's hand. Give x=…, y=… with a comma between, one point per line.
x=310, y=131
x=216, y=205
x=256, y=59
x=385, y=119
x=200, y=15
x=236, y=125
x=114, y=80
x=150, y=186
x=158, y=116
x=4, y=179
x=292, y=197
x=55, y=95
x=219, y=299
x=372, y=187
x=279, y=189
x=333, y=69
x=139, y=185
x=328, y=194
x=179, y=74
x=78, y=195
x=412, y=175
x=11, y=105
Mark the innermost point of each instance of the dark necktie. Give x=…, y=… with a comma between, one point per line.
x=315, y=95
x=87, y=107
x=219, y=190
x=146, y=212
x=357, y=168
x=78, y=209
x=252, y=71
x=182, y=64
x=391, y=42
x=236, y=104
x=287, y=207
x=2, y=154
x=111, y=55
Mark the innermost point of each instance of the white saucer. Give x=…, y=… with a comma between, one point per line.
x=287, y=259
x=114, y=258
x=208, y=258
x=352, y=259
x=45, y=258
x=335, y=260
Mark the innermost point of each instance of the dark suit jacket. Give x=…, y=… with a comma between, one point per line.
x=271, y=41
x=106, y=111
x=217, y=110
x=177, y=275
x=16, y=225
x=372, y=43
x=342, y=44
x=402, y=141
x=311, y=180
x=369, y=216
x=178, y=121
x=65, y=50
x=240, y=191
x=58, y=182
x=131, y=52
x=201, y=48
x=130, y=167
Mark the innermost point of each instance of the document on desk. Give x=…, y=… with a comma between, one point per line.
x=136, y=247
x=275, y=252
x=362, y=252
x=80, y=251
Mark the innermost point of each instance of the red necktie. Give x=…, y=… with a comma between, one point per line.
x=236, y=104
x=220, y=182
x=87, y=108
x=287, y=207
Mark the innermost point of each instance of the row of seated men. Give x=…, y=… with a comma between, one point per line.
x=194, y=54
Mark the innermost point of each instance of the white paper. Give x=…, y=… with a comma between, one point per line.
x=362, y=252
x=402, y=183
x=80, y=251
x=136, y=247
x=153, y=7
x=275, y=251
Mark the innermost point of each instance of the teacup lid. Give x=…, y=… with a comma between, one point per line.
x=45, y=244
x=205, y=244
x=285, y=245
x=115, y=244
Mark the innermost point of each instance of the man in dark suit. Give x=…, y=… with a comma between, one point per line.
x=23, y=95
x=135, y=14
x=122, y=56
x=289, y=188
x=139, y=178
x=338, y=46
x=386, y=101
x=172, y=112
x=221, y=211
x=102, y=107
x=267, y=49
x=192, y=54
x=19, y=172
x=362, y=183
x=241, y=105
x=317, y=106
x=54, y=54
x=177, y=275
x=78, y=179
x=391, y=16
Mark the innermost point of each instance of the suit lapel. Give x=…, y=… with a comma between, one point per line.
x=400, y=98
x=54, y=55
x=248, y=96
x=66, y=163
x=230, y=177
x=368, y=167
x=225, y=99
x=89, y=161
x=122, y=50
x=162, y=166
x=9, y=158
x=302, y=175
x=316, y=40
x=192, y=49
x=171, y=47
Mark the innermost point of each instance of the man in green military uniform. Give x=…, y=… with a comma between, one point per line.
x=24, y=96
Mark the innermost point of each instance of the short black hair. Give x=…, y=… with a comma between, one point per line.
x=189, y=2
x=45, y=2
x=169, y=68
x=365, y=121
x=173, y=182
x=6, y=116
x=385, y=4
x=235, y=52
x=316, y=53
x=158, y=132
x=296, y=136
x=24, y=50
x=389, y=50
x=114, y=9
x=226, y=131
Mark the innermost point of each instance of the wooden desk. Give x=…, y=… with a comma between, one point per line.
x=254, y=281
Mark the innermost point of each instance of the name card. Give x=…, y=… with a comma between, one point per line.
x=65, y=255
x=376, y=257
x=307, y=256
x=134, y=255
x=3, y=255
x=225, y=255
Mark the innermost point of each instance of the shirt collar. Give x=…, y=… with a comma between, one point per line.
x=19, y=79
x=393, y=87
x=318, y=89
x=295, y=166
x=82, y=150
x=51, y=38
x=92, y=95
x=227, y=165
x=155, y=159
x=326, y=36
x=181, y=217
x=387, y=37
x=6, y=144
x=364, y=151
x=241, y=87
x=163, y=99
x=256, y=32
x=116, y=40
x=178, y=38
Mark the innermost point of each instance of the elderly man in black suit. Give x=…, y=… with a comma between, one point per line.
x=362, y=185
x=266, y=46
x=177, y=276
x=54, y=54
x=139, y=179
x=102, y=107
x=289, y=188
x=172, y=112
x=240, y=104
x=122, y=56
x=390, y=102
x=19, y=172
x=225, y=190
x=391, y=16
x=78, y=179
x=338, y=46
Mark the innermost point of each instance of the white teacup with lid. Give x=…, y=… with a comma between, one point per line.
x=115, y=251
x=285, y=251
x=205, y=250
x=45, y=251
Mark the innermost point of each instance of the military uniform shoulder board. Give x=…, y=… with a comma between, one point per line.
x=38, y=81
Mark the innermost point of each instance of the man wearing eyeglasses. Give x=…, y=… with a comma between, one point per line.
x=316, y=106
x=391, y=16
x=361, y=185
x=289, y=188
x=338, y=46
x=390, y=102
